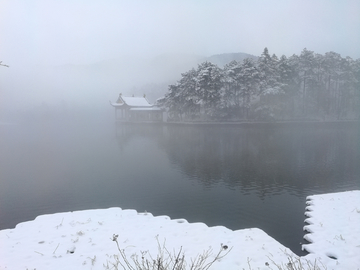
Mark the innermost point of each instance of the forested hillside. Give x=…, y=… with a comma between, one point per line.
x=307, y=86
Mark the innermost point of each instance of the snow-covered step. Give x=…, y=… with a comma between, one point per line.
x=83, y=240
x=333, y=229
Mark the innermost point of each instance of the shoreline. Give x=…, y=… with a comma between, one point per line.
x=245, y=123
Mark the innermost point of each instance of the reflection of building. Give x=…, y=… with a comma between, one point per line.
x=136, y=109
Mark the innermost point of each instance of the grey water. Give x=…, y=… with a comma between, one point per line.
x=237, y=176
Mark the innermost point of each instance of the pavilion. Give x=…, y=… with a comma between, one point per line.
x=136, y=109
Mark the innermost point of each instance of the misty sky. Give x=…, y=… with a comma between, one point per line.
x=38, y=35
x=86, y=31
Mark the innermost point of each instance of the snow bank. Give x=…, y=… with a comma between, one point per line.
x=83, y=240
x=334, y=229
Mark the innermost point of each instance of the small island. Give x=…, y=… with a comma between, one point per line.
x=304, y=87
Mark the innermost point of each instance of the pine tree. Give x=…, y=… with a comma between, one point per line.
x=271, y=87
x=232, y=87
x=270, y=83
x=306, y=71
x=190, y=99
x=209, y=86
x=250, y=80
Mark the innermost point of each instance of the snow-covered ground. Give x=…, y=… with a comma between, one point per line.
x=334, y=229
x=84, y=239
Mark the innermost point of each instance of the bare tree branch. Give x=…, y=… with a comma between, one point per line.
x=1, y=64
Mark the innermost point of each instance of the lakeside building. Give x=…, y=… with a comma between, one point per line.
x=136, y=109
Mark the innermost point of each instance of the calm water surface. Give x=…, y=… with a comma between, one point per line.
x=236, y=176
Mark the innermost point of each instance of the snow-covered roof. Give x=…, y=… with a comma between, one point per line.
x=136, y=101
x=116, y=104
x=140, y=102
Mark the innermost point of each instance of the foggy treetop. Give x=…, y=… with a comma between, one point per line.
x=305, y=86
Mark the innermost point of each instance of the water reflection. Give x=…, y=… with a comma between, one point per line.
x=265, y=158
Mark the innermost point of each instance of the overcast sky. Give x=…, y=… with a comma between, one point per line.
x=86, y=31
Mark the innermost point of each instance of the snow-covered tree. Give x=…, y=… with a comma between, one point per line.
x=271, y=87
x=250, y=82
x=307, y=72
x=270, y=79
x=232, y=99
x=181, y=98
x=190, y=98
x=209, y=86
x=306, y=85
x=172, y=101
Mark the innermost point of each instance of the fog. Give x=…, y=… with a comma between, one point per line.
x=65, y=60
x=73, y=55
x=86, y=87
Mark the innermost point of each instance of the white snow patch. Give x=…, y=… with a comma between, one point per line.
x=136, y=101
x=334, y=229
x=83, y=240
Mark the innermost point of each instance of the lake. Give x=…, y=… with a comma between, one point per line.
x=238, y=176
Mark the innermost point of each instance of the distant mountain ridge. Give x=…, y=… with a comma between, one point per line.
x=130, y=74
x=172, y=65
x=130, y=71
x=188, y=61
x=222, y=59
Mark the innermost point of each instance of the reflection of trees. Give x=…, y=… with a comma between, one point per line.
x=261, y=157
x=269, y=157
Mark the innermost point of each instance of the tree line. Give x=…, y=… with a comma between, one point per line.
x=305, y=86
